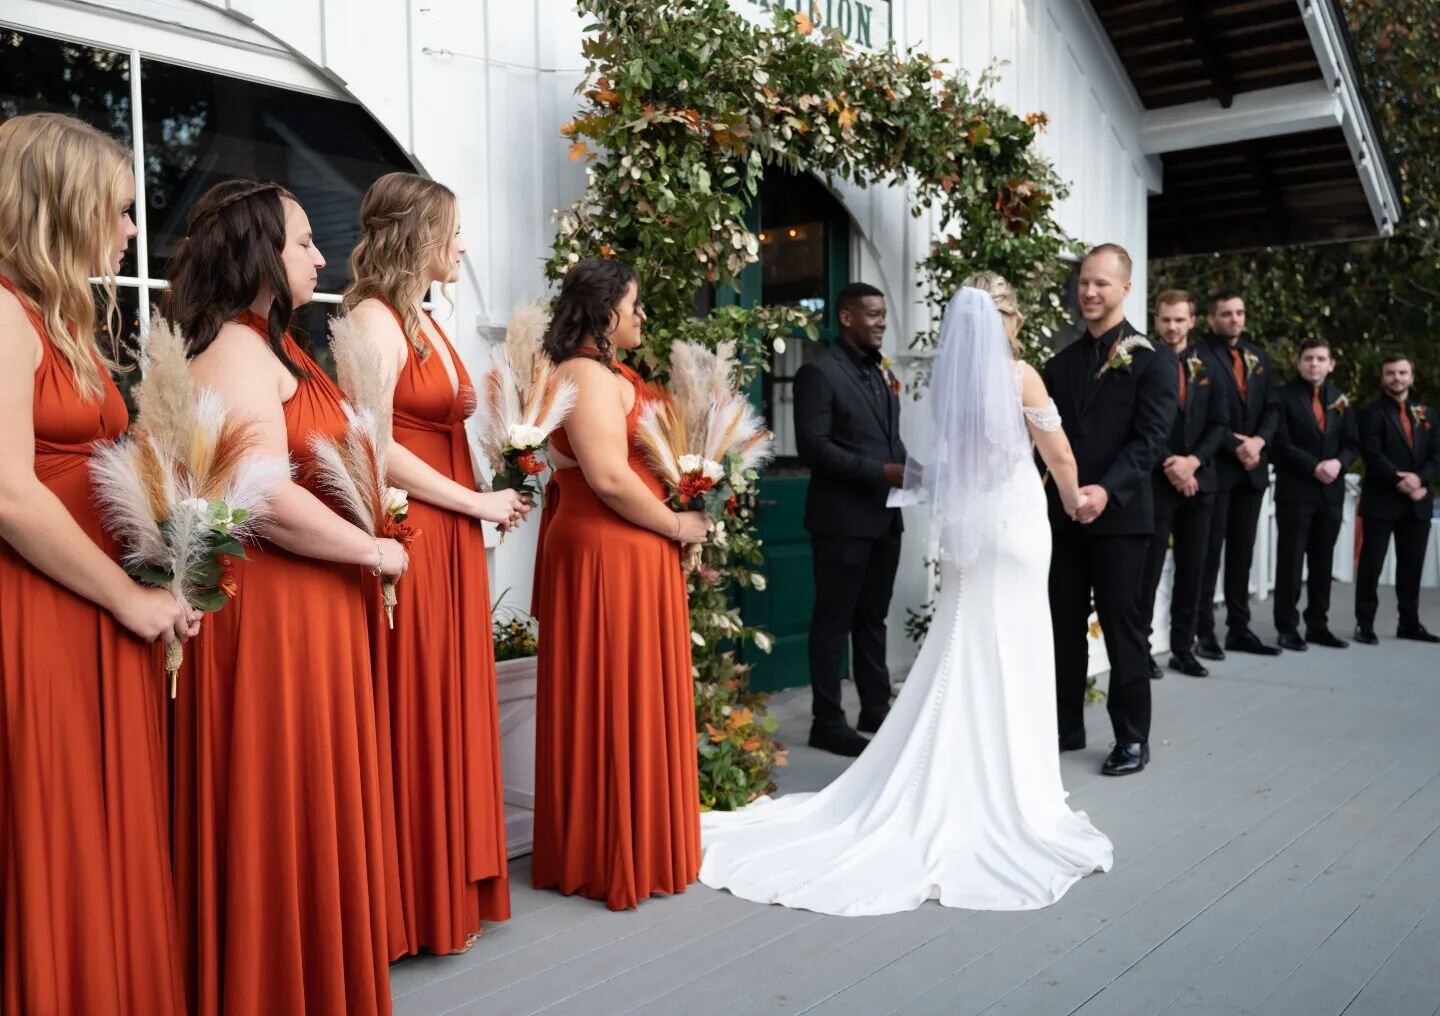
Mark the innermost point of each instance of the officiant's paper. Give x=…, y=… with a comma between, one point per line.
x=903, y=498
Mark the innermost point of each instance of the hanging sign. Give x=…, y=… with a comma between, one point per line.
x=863, y=23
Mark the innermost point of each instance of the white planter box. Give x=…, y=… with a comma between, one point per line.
x=515, y=686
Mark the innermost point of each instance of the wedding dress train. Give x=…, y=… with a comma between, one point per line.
x=958, y=797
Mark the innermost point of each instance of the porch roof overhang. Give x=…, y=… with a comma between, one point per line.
x=1258, y=115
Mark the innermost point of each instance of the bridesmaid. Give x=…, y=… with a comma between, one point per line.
x=616, y=787
x=279, y=864
x=437, y=666
x=88, y=922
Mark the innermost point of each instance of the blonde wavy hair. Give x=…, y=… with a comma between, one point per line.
x=60, y=183
x=406, y=219
x=1007, y=302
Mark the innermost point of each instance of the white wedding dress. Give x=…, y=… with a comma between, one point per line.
x=958, y=796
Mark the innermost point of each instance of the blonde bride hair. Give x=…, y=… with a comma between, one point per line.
x=60, y=184
x=1000, y=290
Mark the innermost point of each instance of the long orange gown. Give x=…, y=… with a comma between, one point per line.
x=86, y=898
x=617, y=793
x=436, y=690
x=279, y=865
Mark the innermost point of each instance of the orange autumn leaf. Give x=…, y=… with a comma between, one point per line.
x=716, y=735
x=578, y=151
x=741, y=717
x=847, y=119
x=803, y=24
x=752, y=744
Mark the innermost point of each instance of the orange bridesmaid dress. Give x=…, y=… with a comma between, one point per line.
x=278, y=852
x=437, y=686
x=88, y=905
x=617, y=793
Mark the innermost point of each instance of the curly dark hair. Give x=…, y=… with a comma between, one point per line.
x=592, y=289
x=233, y=240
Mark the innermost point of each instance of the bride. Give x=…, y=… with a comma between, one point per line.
x=958, y=797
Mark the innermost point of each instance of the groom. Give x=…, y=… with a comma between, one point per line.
x=1118, y=396
x=847, y=429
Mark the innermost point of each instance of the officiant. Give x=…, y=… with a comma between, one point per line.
x=847, y=425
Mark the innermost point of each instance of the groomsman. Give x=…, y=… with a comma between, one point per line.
x=847, y=427
x=1117, y=396
x=1317, y=440
x=1184, y=484
x=1242, y=373
x=1402, y=459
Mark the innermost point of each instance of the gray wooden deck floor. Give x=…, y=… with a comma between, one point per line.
x=1281, y=855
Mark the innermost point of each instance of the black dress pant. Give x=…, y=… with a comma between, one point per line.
x=1237, y=516
x=1305, y=534
x=1411, y=537
x=854, y=579
x=1188, y=520
x=1114, y=567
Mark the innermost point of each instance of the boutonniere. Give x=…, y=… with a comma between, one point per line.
x=1421, y=416
x=1196, y=366
x=1340, y=404
x=887, y=368
x=1121, y=357
x=1252, y=363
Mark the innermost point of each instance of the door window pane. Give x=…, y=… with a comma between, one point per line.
x=203, y=128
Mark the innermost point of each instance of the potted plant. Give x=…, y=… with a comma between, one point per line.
x=515, y=645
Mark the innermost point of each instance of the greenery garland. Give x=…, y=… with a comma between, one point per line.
x=685, y=104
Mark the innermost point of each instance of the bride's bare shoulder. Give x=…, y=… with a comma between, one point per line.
x=1032, y=386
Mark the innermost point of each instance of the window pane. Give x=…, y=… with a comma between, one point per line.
x=44, y=75
x=311, y=327
x=119, y=338
x=203, y=128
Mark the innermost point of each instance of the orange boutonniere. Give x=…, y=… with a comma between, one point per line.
x=886, y=368
x=1421, y=415
x=1196, y=367
x=1340, y=404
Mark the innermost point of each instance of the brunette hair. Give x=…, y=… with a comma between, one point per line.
x=234, y=237
x=1315, y=342
x=1224, y=296
x=405, y=219
x=60, y=184
x=592, y=289
x=1396, y=358
x=1173, y=298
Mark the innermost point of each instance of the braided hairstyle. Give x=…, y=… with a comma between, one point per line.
x=585, y=308
x=231, y=252
x=406, y=220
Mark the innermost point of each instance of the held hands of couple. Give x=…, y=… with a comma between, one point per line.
x=1086, y=504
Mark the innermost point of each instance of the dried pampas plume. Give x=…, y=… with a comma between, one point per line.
x=524, y=334
x=361, y=374
x=165, y=395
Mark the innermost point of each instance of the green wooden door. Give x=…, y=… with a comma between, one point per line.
x=804, y=259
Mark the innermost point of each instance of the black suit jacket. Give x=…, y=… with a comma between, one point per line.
x=1202, y=425
x=1117, y=425
x=846, y=441
x=1383, y=446
x=1255, y=415
x=1300, y=446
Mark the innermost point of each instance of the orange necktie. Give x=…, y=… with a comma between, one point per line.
x=1405, y=425
x=1180, y=370
x=1319, y=409
x=1238, y=363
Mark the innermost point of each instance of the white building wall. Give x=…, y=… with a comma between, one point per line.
x=476, y=91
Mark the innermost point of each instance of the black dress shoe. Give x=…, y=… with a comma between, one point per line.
x=1126, y=759
x=1074, y=741
x=870, y=724
x=1365, y=635
x=838, y=742
x=1249, y=642
x=1292, y=641
x=1208, y=648
x=1185, y=663
x=1325, y=637
x=1416, y=634
x=1155, y=672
